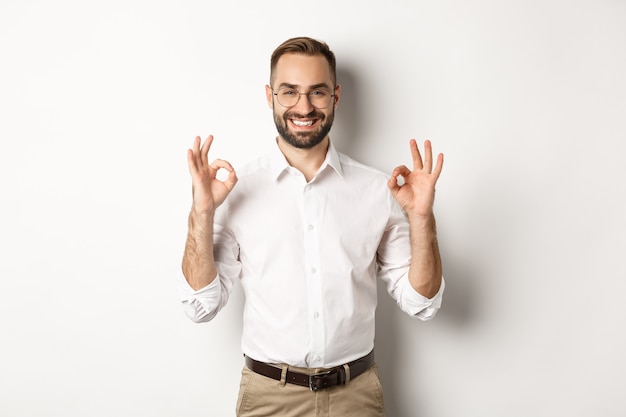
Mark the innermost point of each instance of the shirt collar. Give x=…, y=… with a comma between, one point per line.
x=278, y=162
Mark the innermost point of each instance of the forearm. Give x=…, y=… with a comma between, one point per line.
x=198, y=261
x=425, y=272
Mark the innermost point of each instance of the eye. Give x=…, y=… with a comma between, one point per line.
x=287, y=92
x=318, y=93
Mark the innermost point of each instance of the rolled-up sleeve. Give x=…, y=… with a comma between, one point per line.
x=394, y=259
x=417, y=305
x=201, y=305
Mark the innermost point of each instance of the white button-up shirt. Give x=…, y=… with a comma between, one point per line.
x=307, y=256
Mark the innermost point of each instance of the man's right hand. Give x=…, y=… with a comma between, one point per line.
x=208, y=191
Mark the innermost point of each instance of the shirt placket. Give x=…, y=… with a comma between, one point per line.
x=313, y=275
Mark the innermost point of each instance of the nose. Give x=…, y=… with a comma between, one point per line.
x=304, y=104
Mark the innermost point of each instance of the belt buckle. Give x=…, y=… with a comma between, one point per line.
x=314, y=378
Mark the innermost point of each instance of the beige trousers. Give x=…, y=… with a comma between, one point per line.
x=260, y=396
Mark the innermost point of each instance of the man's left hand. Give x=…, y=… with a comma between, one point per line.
x=416, y=195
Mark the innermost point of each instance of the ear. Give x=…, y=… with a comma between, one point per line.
x=337, y=94
x=269, y=96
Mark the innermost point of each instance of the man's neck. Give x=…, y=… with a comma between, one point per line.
x=307, y=161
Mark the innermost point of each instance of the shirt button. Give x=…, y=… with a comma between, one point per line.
x=310, y=227
x=316, y=314
x=317, y=359
x=313, y=270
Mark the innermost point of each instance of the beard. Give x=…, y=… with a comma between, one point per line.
x=304, y=140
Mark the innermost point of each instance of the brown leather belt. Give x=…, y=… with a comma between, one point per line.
x=326, y=379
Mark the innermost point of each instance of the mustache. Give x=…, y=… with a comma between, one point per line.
x=315, y=114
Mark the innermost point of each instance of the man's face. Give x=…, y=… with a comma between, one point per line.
x=302, y=125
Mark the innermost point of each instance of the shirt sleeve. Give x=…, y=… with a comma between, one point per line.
x=201, y=305
x=394, y=260
x=204, y=304
x=419, y=306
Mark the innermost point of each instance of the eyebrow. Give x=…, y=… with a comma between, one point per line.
x=312, y=87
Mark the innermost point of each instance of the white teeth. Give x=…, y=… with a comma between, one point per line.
x=301, y=123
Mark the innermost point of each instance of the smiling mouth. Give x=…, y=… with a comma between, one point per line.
x=302, y=123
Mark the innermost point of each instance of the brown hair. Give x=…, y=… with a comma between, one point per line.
x=304, y=46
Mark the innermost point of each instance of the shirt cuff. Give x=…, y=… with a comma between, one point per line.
x=419, y=306
x=199, y=305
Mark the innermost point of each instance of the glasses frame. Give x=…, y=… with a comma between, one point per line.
x=275, y=93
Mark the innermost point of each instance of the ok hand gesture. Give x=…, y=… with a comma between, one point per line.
x=208, y=191
x=417, y=194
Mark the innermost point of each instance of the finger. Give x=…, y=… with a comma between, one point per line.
x=196, y=144
x=415, y=155
x=399, y=171
x=220, y=163
x=393, y=185
x=191, y=162
x=204, y=154
x=438, y=166
x=196, y=151
x=232, y=179
x=428, y=156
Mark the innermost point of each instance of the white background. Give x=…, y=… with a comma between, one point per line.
x=99, y=102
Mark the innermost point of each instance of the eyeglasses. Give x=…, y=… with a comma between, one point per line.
x=319, y=98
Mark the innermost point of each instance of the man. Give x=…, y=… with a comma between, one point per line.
x=306, y=231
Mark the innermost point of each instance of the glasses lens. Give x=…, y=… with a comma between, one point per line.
x=289, y=97
x=320, y=98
